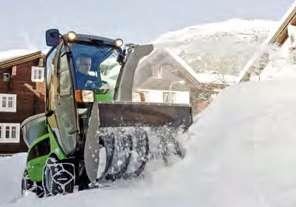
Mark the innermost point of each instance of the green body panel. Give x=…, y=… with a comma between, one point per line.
x=103, y=97
x=35, y=166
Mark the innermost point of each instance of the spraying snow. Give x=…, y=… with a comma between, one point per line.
x=204, y=47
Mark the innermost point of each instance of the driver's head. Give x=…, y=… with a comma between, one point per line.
x=84, y=64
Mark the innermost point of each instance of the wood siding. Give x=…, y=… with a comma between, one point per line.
x=30, y=99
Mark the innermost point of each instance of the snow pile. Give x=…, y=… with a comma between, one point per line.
x=241, y=152
x=281, y=63
x=10, y=177
x=203, y=46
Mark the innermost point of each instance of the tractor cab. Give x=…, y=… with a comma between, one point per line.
x=80, y=69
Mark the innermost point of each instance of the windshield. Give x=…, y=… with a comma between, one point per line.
x=95, y=66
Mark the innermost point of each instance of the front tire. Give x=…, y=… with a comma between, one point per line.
x=27, y=184
x=58, y=177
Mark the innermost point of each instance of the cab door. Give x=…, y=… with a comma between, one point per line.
x=66, y=111
x=63, y=120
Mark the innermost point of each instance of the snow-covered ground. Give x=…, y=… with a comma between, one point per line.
x=240, y=152
x=10, y=174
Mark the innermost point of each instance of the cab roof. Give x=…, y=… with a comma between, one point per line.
x=91, y=39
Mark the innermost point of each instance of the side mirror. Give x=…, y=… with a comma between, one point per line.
x=52, y=37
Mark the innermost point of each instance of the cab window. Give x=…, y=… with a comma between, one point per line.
x=40, y=149
x=52, y=79
x=95, y=65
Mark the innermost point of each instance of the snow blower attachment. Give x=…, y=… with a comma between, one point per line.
x=96, y=129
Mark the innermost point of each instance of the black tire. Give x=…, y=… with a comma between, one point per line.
x=58, y=177
x=28, y=185
x=39, y=190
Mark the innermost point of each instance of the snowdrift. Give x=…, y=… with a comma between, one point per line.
x=241, y=152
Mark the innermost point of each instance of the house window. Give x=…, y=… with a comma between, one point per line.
x=10, y=102
x=9, y=133
x=37, y=74
x=7, y=102
x=13, y=132
x=4, y=101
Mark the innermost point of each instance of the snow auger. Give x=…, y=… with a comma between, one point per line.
x=93, y=130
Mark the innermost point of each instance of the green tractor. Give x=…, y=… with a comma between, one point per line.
x=92, y=131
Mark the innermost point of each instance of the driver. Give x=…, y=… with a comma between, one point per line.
x=84, y=64
x=87, y=79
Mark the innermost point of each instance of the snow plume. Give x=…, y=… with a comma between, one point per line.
x=204, y=47
x=281, y=63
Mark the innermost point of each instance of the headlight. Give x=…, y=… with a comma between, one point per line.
x=118, y=42
x=71, y=36
x=84, y=96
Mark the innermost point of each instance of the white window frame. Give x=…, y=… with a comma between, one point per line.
x=6, y=98
x=9, y=139
x=37, y=74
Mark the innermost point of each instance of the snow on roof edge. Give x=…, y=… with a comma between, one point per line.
x=14, y=53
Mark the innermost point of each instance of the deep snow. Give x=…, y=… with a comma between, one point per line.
x=240, y=152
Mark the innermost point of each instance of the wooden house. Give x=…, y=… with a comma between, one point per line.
x=22, y=94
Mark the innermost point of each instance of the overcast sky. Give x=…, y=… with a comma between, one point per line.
x=23, y=22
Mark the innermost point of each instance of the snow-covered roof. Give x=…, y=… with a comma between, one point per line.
x=11, y=54
x=15, y=57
